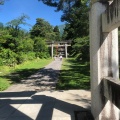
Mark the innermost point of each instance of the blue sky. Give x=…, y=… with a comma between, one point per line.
x=12, y=9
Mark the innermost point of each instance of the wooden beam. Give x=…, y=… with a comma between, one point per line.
x=111, y=90
x=111, y=17
x=58, y=45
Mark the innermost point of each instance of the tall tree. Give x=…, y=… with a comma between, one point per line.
x=41, y=29
x=57, y=33
x=77, y=19
x=60, y=4
x=75, y=13
x=14, y=25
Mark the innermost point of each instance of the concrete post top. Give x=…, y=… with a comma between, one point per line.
x=93, y=1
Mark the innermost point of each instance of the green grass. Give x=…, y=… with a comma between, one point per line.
x=74, y=75
x=11, y=75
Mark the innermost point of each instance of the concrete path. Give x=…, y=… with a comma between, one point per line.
x=20, y=103
x=44, y=79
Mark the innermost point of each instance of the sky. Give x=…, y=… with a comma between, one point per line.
x=13, y=9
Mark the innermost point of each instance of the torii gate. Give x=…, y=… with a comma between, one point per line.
x=104, y=22
x=58, y=44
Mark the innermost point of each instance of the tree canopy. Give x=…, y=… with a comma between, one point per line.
x=43, y=29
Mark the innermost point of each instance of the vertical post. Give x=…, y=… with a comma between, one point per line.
x=52, y=50
x=103, y=62
x=97, y=9
x=65, y=50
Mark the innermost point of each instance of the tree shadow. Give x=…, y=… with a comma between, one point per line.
x=76, y=77
x=45, y=77
x=16, y=77
x=17, y=105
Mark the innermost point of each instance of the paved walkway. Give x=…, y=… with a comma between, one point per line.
x=30, y=101
x=44, y=79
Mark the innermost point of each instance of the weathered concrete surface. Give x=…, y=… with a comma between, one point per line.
x=102, y=1
x=95, y=37
x=47, y=105
x=111, y=17
x=111, y=89
x=104, y=62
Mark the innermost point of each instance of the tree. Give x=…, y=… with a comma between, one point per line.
x=80, y=48
x=1, y=25
x=57, y=33
x=61, y=4
x=14, y=25
x=77, y=19
x=4, y=37
x=41, y=29
x=26, y=45
x=40, y=48
x=75, y=13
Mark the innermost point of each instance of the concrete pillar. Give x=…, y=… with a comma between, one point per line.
x=52, y=50
x=66, y=50
x=104, y=62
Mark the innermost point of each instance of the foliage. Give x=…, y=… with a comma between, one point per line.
x=75, y=13
x=26, y=45
x=4, y=36
x=40, y=47
x=61, y=29
x=57, y=33
x=77, y=19
x=17, y=46
x=81, y=48
x=8, y=57
x=43, y=29
x=14, y=25
x=1, y=25
x=4, y=84
x=77, y=29
x=64, y=5
x=13, y=49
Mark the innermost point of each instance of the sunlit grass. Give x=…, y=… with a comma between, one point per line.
x=10, y=75
x=74, y=75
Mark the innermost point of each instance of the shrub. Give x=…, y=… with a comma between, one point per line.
x=21, y=57
x=8, y=57
x=31, y=55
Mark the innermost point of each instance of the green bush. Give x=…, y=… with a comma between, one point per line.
x=21, y=57
x=31, y=56
x=1, y=61
x=81, y=48
x=8, y=57
x=42, y=54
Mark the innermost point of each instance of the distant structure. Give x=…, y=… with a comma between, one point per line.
x=60, y=47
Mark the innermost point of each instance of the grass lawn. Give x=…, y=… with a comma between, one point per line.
x=74, y=75
x=10, y=75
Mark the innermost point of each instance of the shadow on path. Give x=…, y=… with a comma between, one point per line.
x=30, y=106
x=44, y=79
